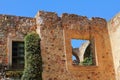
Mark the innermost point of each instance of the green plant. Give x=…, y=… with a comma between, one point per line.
x=33, y=60
x=88, y=61
x=12, y=74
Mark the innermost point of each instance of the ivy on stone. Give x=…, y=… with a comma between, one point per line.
x=33, y=59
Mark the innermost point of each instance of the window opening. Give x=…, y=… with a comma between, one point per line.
x=17, y=55
x=82, y=52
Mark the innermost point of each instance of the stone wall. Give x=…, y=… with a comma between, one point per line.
x=56, y=33
x=114, y=33
x=13, y=28
x=56, y=50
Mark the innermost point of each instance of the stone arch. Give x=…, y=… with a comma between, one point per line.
x=81, y=52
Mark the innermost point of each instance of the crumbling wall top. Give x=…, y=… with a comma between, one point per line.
x=15, y=22
x=69, y=21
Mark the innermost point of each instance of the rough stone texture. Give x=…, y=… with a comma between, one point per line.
x=13, y=27
x=56, y=33
x=114, y=33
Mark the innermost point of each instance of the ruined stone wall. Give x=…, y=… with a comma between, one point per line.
x=114, y=33
x=12, y=28
x=56, y=33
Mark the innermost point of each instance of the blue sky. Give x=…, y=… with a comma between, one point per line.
x=76, y=43
x=90, y=8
